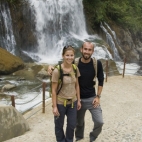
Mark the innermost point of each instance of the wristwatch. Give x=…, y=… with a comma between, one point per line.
x=99, y=96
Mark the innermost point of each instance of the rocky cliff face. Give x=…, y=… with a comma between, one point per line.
x=23, y=26
x=130, y=42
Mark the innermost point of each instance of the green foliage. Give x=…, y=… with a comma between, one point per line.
x=126, y=13
x=12, y=1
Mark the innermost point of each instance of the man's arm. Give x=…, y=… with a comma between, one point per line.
x=100, y=76
x=96, y=101
x=99, y=91
x=50, y=69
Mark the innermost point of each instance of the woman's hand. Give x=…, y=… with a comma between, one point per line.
x=78, y=105
x=55, y=111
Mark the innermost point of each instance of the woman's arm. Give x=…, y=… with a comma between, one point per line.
x=54, y=98
x=78, y=94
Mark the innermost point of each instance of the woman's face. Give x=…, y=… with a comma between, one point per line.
x=68, y=56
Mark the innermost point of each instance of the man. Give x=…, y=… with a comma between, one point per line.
x=90, y=100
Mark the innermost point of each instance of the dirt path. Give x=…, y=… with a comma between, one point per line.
x=121, y=103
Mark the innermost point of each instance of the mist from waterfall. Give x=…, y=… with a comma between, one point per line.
x=7, y=39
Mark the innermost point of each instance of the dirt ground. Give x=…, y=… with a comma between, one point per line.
x=121, y=103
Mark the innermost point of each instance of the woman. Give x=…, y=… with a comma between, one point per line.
x=66, y=97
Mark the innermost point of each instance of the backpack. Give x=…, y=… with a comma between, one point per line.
x=76, y=62
x=60, y=80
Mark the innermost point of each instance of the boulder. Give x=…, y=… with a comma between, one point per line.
x=112, y=68
x=9, y=63
x=29, y=72
x=42, y=74
x=12, y=123
x=8, y=87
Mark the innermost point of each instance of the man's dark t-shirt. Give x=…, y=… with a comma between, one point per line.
x=86, y=82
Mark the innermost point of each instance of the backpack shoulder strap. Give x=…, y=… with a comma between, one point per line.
x=74, y=66
x=60, y=71
x=76, y=61
x=58, y=67
x=75, y=69
x=60, y=81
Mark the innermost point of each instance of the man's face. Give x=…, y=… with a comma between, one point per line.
x=87, y=51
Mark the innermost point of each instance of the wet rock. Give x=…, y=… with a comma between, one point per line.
x=29, y=72
x=42, y=74
x=12, y=124
x=9, y=63
x=21, y=79
x=8, y=87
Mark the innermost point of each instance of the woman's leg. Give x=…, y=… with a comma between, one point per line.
x=59, y=122
x=71, y=121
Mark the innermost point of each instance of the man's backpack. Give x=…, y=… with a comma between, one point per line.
x=61, y=75
x=76, y=62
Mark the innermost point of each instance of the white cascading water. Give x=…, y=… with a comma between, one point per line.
x=7, y=38
x=58, y=23
x=111, y=42
x=131, y=68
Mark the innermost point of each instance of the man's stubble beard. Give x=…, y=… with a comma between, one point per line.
x=86, y=58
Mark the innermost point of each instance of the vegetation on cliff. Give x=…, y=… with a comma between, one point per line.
x=126, y=13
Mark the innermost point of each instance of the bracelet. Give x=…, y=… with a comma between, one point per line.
x=99, y=96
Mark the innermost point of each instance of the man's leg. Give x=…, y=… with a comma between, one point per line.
x=98, y=122
x=71, y=121
x=79, y=132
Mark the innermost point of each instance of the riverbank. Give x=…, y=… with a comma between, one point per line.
x=121, y=104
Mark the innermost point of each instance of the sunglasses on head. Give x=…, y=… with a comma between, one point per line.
x=65, y=47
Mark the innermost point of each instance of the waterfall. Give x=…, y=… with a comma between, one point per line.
x=110, y=41
x=58, y=23
x=7, y=39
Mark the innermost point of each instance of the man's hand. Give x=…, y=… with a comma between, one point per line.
x=96, y=102
x=50, y=70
